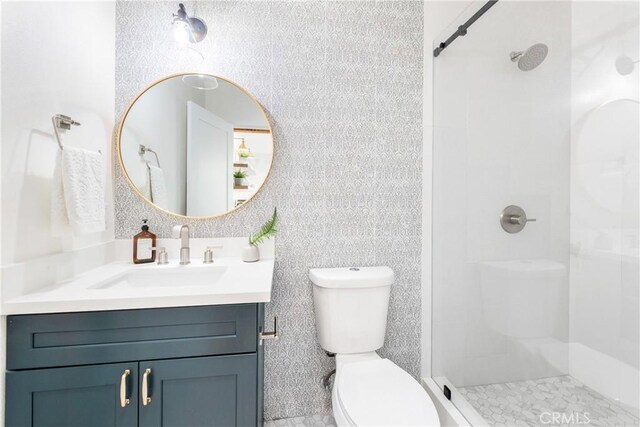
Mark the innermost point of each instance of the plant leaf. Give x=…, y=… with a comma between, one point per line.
x=267, y=231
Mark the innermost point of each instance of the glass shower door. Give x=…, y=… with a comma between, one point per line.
x=524, y=313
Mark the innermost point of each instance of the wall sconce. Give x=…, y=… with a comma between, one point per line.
x=186, y=28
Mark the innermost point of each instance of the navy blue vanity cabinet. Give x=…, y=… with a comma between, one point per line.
x=186, y=366
x=206, y=391
x=77, y=396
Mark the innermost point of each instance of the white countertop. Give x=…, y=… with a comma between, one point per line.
x=236, y=282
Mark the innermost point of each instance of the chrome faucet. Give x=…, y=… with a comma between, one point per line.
x=182, y=232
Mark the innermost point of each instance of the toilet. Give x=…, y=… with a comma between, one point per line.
x=351, y=320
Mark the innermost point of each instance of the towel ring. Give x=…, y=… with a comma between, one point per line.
x=62, y=122
x=142, y=149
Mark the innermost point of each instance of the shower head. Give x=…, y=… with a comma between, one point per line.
x=529, y=59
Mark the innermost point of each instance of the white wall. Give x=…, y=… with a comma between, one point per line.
x=3, y=319
x=605, y=283
x=56, y=58
x=501, y=137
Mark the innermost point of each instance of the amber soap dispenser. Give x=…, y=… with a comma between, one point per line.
x=144, y=244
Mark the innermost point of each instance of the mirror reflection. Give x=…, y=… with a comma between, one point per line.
x=196, y=145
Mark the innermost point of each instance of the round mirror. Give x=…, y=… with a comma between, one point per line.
x=195, y=145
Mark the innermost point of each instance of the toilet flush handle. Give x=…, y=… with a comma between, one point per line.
x=269, y=335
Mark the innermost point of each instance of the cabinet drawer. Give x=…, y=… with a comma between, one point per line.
x=66, y=339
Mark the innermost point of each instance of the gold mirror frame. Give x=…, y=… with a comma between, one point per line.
x=150, y=203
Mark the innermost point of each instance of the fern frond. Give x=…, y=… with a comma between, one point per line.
x=267, y=231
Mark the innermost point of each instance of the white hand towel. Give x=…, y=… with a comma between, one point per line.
x=59, y=217
x=146, y=188
x=158, y=186
x=78, y=192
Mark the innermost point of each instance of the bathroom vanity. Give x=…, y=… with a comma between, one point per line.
x=151, y=345
x=178, y=343
x=151, y=367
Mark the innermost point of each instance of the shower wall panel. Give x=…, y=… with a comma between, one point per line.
x=605, y=283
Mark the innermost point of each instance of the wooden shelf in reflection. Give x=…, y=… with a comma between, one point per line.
x=240, y=187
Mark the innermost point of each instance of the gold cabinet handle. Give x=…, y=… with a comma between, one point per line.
x=124, y=400
x=145, y=387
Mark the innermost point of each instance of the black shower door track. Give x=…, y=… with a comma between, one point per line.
x=462, y=29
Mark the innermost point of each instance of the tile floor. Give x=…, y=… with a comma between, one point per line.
x=308, y=421
x=524, y=403
x=536, y=402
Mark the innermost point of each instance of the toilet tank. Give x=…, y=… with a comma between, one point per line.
x=350, y=307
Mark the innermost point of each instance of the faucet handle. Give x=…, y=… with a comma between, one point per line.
x=208, y=254
x=163, y=256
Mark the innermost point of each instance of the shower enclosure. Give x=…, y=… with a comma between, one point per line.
x=536, y=117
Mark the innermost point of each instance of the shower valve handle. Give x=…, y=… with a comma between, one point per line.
x=518, y=219
x=513, y=219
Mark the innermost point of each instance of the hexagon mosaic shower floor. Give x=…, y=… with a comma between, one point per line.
x=534, y=403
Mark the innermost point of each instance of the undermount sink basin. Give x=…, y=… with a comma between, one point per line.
x=164, y=277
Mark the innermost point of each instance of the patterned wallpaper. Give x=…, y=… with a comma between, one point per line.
x=342, y=85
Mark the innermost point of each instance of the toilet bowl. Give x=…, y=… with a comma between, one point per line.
x=351, y=317
x=371, y=391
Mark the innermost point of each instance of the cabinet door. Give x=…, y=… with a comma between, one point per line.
x=83, y=396
x=200, y=391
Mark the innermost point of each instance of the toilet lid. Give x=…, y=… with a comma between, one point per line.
x=378, y=392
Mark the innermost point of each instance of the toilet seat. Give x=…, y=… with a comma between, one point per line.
x=378, y=392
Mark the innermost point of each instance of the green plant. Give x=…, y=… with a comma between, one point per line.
x=244, y=154
x=239, y=174
x=267, y=231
